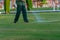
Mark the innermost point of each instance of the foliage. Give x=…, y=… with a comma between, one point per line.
x=29, y=4
x=7, y=6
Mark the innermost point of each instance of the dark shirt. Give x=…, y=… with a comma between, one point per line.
x=20, y=2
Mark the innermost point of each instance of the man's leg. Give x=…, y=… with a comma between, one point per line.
x=17, y=14
x=24, y=14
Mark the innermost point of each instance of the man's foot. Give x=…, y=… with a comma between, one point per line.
x=26, y=21
x=14, y=22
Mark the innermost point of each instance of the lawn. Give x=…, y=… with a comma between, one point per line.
x=32, y=30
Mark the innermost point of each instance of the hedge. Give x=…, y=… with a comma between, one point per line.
x=29, y=4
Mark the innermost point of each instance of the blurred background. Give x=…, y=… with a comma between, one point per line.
x=35, y=3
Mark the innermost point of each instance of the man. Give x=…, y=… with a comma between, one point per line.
x=21, y=7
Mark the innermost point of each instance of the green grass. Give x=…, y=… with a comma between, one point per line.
x=50, y=16
x=32, y=30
